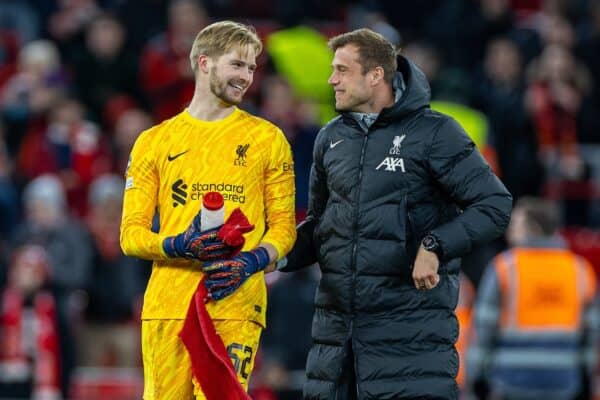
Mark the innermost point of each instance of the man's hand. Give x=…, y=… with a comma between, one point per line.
x=425, y=272
x=195, y=244
x=225, y=276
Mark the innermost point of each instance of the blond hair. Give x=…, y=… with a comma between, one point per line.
x=373, y=50
x=219, y=38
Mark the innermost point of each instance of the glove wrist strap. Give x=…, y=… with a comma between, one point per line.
x=262, y=258
x=171, y=246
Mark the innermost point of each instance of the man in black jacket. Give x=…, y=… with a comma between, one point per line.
x=398, y=193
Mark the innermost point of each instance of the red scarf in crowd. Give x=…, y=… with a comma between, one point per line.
x=211, y=364
x=15, y=364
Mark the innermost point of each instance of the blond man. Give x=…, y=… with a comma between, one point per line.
x=210, y=146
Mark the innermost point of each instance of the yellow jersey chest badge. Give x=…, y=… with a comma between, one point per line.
x=241, y=151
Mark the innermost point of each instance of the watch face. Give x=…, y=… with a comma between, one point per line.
x=429, y=243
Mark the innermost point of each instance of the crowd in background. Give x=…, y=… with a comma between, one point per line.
x=80, y=79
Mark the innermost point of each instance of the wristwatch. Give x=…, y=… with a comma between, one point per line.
x=430, y=243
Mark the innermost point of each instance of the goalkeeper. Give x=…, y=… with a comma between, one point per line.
x=212, y=143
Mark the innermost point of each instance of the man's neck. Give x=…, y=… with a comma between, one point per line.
x=207, y=107
x=381, y=99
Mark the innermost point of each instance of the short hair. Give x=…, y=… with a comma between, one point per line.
x=104, y=188
x=541, y=215
x=48, y=189
x=220, y=37
x=373, y=50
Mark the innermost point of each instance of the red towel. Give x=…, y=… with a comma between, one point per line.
x=232, y=231
x=211, y=364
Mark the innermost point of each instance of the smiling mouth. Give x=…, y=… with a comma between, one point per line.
x=238, y=87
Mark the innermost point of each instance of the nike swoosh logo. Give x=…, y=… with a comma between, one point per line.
x=171, y=158
x=333, y=144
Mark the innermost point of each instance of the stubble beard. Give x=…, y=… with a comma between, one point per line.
x=218, y=87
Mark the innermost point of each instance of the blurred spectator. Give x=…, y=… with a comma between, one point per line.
x=536, y=315
x=69, y=146
x=69, y=253
x=68, y=21
x=143, y=20
x=474, y=24
x=361, y=17
x=48, y=224
x=110, y=336
x=128, y=126
x=426, y=57
x=103, y=68
x=588, y=47
x=557, y=30
x=29, y=345
x=9, y=203
x=299, y=121
x=464, y=313
x=18, y=16
x=500, y=89
x=9, y=50
x=33, y=89
x=559, y=104
x=407, y=17
x=166, y=75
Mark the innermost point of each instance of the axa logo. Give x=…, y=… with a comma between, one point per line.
x=179, y=194
x=391, y=163
x=241, y=151
x=396, y=143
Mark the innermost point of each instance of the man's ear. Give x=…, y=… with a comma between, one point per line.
x=377, y=75
x=203, y=63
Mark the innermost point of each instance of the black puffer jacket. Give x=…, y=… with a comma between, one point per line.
x=373, y=196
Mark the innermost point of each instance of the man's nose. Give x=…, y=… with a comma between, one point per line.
x=332, y=79
x=246, y=74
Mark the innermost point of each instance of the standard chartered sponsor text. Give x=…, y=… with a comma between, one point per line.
x=229, y=191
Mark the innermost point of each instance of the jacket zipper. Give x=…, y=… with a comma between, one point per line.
x=354, y=249
x=355, y=230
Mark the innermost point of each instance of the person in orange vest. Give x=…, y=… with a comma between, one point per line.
x=464, y=311
x=535, y=316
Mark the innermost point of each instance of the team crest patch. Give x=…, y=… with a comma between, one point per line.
x=396, y=143
x=241, y=151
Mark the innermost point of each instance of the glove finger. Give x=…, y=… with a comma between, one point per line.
x=208, y=236
x=222, y=293
x=226, y=265
x=212, y=267
x=220, y=282
x=221, y=275
x=218, y=255
x=212, y=285
x=216, y=249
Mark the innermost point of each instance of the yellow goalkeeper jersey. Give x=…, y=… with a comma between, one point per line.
x=246, y=159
